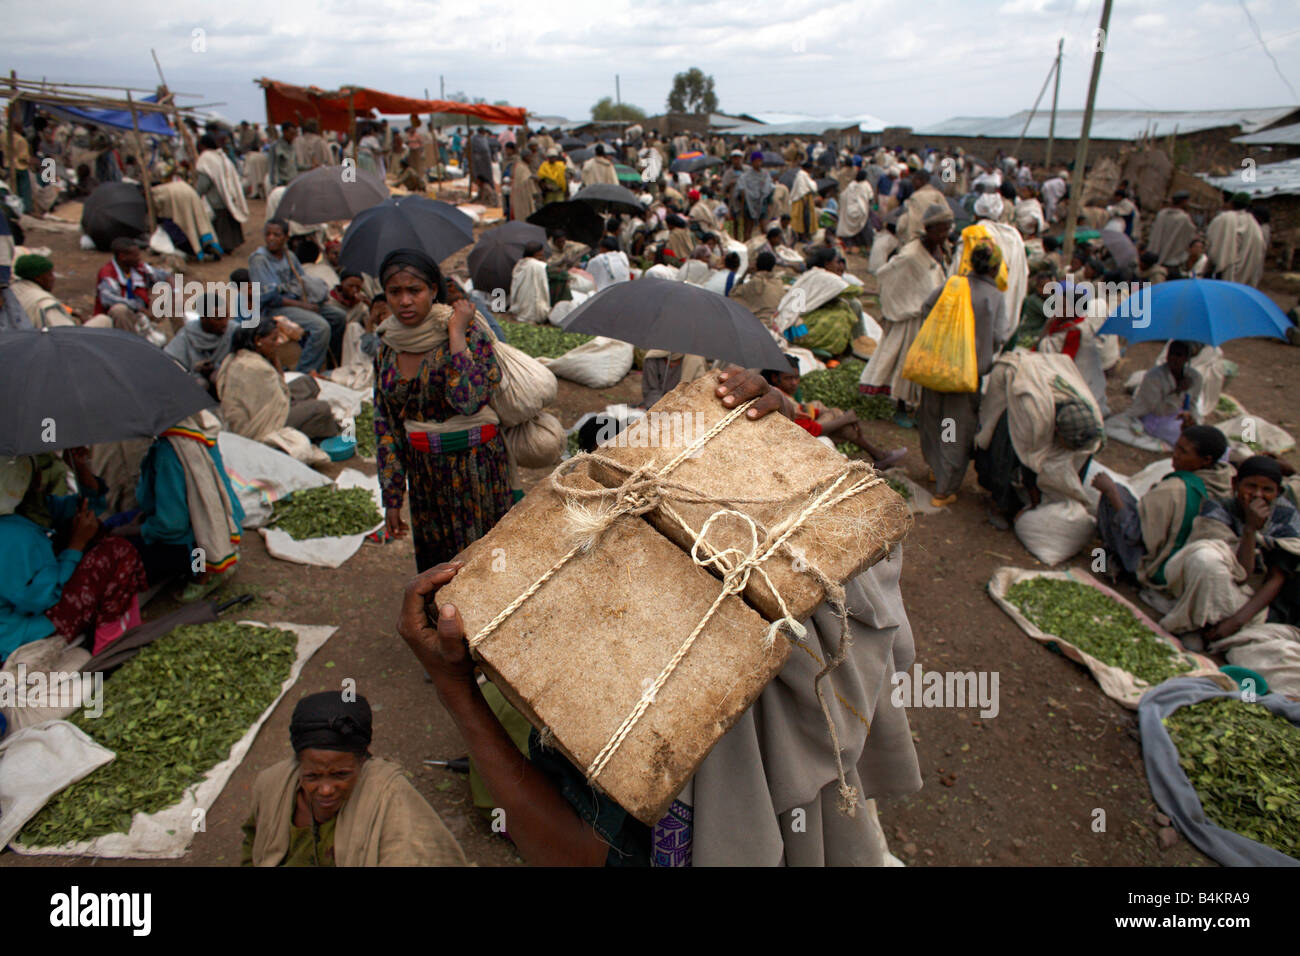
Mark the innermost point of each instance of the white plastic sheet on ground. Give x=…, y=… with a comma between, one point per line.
x=167, y=834
x=261, y=476
x=343, y=401
x=1129, y=431
x=36, y=763
x=600, y=363
x=1117, y=684
x=1175, y=794
x=331, y=551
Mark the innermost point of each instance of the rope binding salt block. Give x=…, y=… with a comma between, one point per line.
x=642, y=491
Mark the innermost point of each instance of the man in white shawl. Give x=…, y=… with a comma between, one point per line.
x=599, y=169
x=1053, y=191
x=855, y=211
x=768, y=793
x=1236, y=244
x=905, y=282
x=219, y=185
x=1171, y=233
x=988, y=212
x=530, y=297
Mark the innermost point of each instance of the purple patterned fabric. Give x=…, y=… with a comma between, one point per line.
x=670, y=842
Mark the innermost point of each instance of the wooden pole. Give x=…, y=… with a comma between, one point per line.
x=144, y=165
x=1033, y=111
x=1081, y=152
x=9, y=135
x=182, y=131
x=1056, y=95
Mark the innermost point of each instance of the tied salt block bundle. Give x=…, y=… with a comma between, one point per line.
x=744, y=552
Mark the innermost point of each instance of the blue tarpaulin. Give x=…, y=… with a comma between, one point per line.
x=152, y=123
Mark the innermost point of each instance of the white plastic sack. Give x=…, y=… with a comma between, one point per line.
x=1256, y=435
x=36, y=763
x=580, y=280
x=600, y=363
x=50, y=701
x=537, y=443
x=625, y=415
x=331, y=551
x=527, y=386
x=297, y=445
x=167, y=834
x=560, y=311
x=1096, y=468
x=1055, y=531
x=161, y=243
x=261, y=475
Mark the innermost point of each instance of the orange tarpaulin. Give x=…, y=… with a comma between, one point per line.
x=286, y=103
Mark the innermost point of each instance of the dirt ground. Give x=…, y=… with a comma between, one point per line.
x=1018, y=789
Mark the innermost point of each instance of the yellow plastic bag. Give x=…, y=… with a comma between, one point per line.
x=942, y=356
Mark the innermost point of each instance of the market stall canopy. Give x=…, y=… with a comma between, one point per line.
x=286, y=103
x=152, y=124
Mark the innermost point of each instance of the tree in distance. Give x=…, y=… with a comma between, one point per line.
x=606, y=109
x=692, y=92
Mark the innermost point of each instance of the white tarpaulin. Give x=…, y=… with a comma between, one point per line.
x=332, y=551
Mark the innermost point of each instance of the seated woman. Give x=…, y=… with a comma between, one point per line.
x=256, y=401
x=58, y=573
x=187, y=503
x=1254, y=533
x=333, y=804
x=1142, y=536
x=836, y=424
x=1168, y=398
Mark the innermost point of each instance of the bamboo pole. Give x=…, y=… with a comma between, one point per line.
x=1081, y=152
x=39, y=85
x=144, y=165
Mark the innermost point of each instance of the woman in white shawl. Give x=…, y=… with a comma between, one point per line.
x=768, y=792
x=854, y=225
x=218, y=184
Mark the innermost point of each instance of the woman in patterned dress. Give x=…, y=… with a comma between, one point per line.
x=436, y=434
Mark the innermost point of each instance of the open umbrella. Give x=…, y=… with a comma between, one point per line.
x=786, y=179
x=404, y=222
x=680, y=317
x=571, y=142
x=114, y=210
x=1209, y=311
x=828, y=183
x=772, y=159
x=604, y=196
x=329, y=193
x=580, y=156
x=693, y=163
x=578, y=220
x=626, y=174
x=1120, y=247
x=68, y=387
x=493, y=258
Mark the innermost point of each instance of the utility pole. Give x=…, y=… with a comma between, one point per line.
x=1034, y=109
x=618, y=94
x=442, y=87
x=1081, y=153
x=1056, y=94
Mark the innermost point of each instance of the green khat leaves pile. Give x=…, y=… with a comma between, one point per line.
x=1095, y=624
x=542, y=341
x=1242, y=759
x=171, y=713
x=838, y=388
x=325, y=510
x=364, y=423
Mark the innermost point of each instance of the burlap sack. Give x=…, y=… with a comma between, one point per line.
x=536, y=443
x=1117, y=684
x=527, y=386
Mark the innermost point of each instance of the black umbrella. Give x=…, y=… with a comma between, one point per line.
x=112, y=211
x=961, y=216
x=694, y=164
x=580, y=156
x=786, y=179
x=571, y=142
x=493, y=258
x=604, y=195
x=328, y=193
x=680, y=317
x=825, y=184
x=772, y=159
x=405, y=222
x=578, y=220
x=67, y=387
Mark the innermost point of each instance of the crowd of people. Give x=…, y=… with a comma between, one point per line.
x=769, y=224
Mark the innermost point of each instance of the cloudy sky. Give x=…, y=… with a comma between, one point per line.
x=909, y=63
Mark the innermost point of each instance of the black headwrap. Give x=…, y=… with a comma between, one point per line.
x=1262, y=466
x=413, y=260
x=326, y=721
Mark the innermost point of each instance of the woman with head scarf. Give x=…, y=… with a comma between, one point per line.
x=59, y=573
x=436, y=433
x=333, y=804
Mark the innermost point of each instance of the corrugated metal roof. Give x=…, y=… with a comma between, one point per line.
x=1109, y=124
x=804, y=123
x=1278, y=136
x=1273, y=179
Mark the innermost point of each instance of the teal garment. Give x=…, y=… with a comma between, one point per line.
x=31, y=581
x=162, y=498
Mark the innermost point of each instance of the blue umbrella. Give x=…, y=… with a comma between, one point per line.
x=1197, y=310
